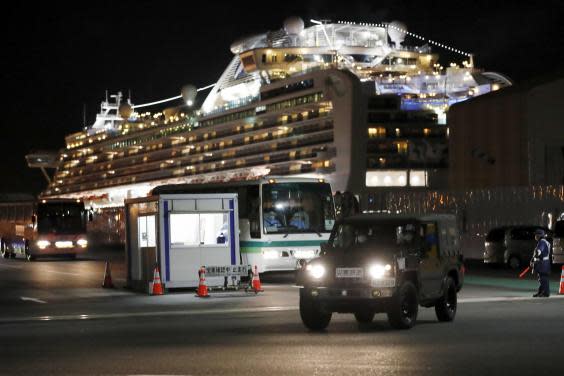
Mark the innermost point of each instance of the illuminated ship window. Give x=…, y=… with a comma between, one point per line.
x=402, y=147
x=386, y=178
x=376, y=132
x=418, y=178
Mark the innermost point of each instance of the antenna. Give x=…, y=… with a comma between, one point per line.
x=106, y=95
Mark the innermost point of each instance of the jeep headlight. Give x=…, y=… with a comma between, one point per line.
x=377, y=271
x=82, y=243
x=316, y=270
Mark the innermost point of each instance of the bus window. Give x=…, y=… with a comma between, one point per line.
x=253, y=208
x=297, y=208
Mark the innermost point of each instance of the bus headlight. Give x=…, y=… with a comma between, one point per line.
x=377, y=271
x=304, y=253
x=316, y=270
x=82, y=243
x=42, y=244
x=269, y=255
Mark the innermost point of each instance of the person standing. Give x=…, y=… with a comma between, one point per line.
x=541, y=263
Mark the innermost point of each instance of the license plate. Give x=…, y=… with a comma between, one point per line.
x=349, y=272
x=387, y=282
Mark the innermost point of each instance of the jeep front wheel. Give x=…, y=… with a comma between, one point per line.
x=445, y=308
x=402, y=313
x=312, y=315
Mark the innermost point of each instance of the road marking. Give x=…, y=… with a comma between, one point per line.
x=146, y=314
x=202, y=312
x=25, y=298
x=11, y=266
x=493, y=299
x=59, y=272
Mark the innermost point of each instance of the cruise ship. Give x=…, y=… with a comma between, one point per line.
x=361, y=105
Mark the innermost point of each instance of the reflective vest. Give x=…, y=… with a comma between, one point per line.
x=541, y=258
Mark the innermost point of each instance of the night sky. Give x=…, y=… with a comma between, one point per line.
x=58, y=58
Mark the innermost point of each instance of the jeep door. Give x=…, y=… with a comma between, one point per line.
x=430, y=268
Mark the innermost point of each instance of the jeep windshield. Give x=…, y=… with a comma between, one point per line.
x=376, y=235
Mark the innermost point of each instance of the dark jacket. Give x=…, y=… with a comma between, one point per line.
x=541, y=257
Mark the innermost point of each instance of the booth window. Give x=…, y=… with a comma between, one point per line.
x=187, y=229
x=147, y=231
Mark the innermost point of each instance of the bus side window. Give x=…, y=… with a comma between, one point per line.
x=253, y=202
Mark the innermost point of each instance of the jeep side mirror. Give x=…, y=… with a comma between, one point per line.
x=324, y=247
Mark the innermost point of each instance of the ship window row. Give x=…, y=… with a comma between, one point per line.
x=414, y=160
x=16, y=212
x=277, y=157
x=218, y=120
x=399, y=61
x=287, y=89
x=402, y=117
x=309, y=135
x=383, y=132
x=235, y=145
x=312, y=98
x=265, y=154
x=249, y=127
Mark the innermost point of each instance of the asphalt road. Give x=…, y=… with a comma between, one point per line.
x=56, y=320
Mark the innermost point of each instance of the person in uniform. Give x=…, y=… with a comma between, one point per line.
x=541, y=263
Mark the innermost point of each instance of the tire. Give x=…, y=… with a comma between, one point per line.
x=514, y=262
x=404, y=307
x=364, y=317
x=312, y=315
x=445, y=308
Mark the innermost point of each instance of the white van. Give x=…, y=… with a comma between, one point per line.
x=558, y=242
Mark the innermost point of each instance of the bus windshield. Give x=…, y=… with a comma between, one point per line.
x=61, y=218
x=297, y=208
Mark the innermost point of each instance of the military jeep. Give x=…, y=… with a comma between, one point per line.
x=383, y=263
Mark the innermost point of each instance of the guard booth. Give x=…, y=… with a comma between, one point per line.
x=180, y=233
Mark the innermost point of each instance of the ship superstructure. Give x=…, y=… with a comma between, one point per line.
x=351, y=103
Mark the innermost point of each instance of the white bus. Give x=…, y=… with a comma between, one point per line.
x=282, y=220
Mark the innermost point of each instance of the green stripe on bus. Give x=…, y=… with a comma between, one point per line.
x=255, y=247
x=281, y=243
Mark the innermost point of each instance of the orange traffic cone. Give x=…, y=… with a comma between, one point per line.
x=202, y=287
x=561, y=290
x=108, y=284
x=157, y=288
x=256, y=281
